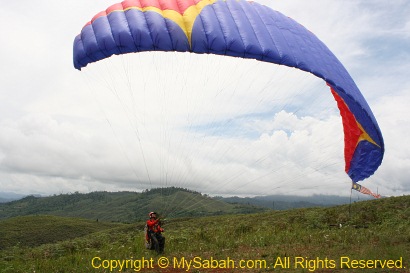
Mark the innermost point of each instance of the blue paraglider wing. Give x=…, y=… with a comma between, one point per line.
x=240, y=29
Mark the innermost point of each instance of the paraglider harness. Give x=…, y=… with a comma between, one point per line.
x=153, y=236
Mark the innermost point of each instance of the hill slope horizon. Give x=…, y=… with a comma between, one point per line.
x=127, y=206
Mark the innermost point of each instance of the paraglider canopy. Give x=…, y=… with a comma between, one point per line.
x=238, y=29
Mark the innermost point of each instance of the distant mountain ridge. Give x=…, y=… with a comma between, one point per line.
x=124, y=206
x=169, y=202
x=284, y=202
x=9, y=196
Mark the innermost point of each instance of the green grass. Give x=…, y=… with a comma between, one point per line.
x=371, y=230
x=31, y=231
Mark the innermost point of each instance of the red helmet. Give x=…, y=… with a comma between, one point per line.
x=151, y=213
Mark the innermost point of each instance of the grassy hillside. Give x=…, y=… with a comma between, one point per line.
x=124, y=207
x=31, y=231
x=300, y=240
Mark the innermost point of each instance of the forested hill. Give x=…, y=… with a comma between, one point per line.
x=124, y=206
x=170, y=202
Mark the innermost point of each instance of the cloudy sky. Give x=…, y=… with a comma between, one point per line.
x=219, y=126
